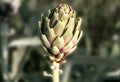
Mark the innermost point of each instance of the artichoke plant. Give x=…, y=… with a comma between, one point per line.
x=60, y=32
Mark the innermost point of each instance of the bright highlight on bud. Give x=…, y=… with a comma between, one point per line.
x=60, y=31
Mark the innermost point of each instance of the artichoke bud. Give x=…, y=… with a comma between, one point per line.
x=60, y=31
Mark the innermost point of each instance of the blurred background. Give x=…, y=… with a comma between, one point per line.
x=97, y=58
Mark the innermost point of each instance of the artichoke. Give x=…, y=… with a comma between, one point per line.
x=60, y=31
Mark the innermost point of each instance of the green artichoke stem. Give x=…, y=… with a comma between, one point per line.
x=55, y=72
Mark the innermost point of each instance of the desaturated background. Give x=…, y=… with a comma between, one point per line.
x=97, y=58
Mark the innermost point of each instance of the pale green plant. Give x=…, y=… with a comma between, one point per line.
x=60, y=32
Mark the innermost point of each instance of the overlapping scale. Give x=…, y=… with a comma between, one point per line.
x=59, y=28
x=60, y=56
x=64, y=18
x=45, y=41
x=67, y=47
x=54, y=19
x=75, y=36
x=54, y=50
x=50, y=34
x=71, y=23
x=79, y=37
x=78, y=24
x=43, y=23
x=67, y=35
x=59, y=42
x=72, y=49
x=47, y=24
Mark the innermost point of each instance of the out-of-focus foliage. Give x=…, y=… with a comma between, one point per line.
x=98, y=52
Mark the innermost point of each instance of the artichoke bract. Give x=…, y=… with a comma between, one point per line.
x=60, y=31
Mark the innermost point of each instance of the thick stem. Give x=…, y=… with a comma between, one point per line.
x=55, y=72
